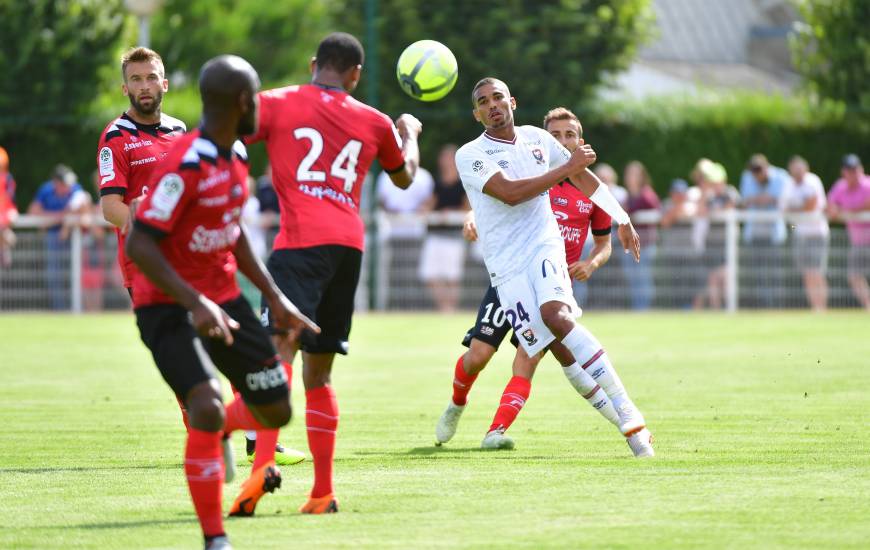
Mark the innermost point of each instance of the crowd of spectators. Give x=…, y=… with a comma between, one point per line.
x=682, y=237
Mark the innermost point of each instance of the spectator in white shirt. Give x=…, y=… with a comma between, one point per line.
x=805, y=195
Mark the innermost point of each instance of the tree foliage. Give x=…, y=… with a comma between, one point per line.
x=832, y=50
x=278, y=37
x=52, y=53
x=550, y=52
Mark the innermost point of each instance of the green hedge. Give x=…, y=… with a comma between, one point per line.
x=670, y=134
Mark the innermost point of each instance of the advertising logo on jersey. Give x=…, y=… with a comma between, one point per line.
x=165, y=197
x=560, y=201
x=539, y=155
x=584, y=207
x=529, y=336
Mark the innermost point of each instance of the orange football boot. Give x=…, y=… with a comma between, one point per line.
x=322, y=505
x=264, y=480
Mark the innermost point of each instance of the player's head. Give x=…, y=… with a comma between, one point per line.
x=341, y=54
x=565, y=127
x=493, y=104
x=144, y=79
x=228, y=85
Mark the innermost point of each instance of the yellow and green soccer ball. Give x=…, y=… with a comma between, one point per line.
x=427, y=70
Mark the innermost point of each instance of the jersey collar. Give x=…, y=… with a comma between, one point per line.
x=510, y=142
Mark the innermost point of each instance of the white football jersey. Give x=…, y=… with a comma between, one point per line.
x=511, y=235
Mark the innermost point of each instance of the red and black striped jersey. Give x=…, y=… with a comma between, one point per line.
x=128, y=154
x=194, y=208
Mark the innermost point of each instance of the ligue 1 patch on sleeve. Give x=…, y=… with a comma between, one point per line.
x=480, y=168
x=165, y=197
x=107, y=165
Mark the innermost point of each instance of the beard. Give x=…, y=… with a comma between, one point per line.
x=149, y=109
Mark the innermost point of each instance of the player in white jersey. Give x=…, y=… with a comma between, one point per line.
x=506, y=173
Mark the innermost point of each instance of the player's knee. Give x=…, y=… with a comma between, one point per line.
x=205, y=409
x=276, y=414
x=557, y=317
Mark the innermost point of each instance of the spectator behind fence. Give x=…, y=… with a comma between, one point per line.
x=443, y=257
x=8, y=211
x=55, y=199
x=851, y=195
x=761, y=187
x=804, y=195
x=412, y=200
x=607, y=289
x=680, y=256
x=641, y=197
x=717, y=196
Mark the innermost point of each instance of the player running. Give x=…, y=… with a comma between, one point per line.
x=321, y=142
x=507, y=172
x=188, y=242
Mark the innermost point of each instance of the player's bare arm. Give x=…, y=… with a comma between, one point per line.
x=207, y=317
x=286, y=315
x=409, y=129
x=598, y=256
x=114, y=210
x=516, y=191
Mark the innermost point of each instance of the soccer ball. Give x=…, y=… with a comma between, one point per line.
x=427, y=70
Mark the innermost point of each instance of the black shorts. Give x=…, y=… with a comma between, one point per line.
x=491, y=326
x=321, y=281
x=185, y=360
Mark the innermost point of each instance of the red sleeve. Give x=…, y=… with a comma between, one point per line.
x=163, y=207
x=112, y=166
x=600, y=221
x=390, y=148
x=264, y=117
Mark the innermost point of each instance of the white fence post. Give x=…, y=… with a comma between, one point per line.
x=732, y=255
x=75, y=269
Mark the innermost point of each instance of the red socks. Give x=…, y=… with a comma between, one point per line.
x=239, y=417
x=512, y=400
x=462, y=382
x=204, y=467
x=321, y=421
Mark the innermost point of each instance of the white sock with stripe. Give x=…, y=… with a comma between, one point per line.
x=588, y=352
x=591, y=392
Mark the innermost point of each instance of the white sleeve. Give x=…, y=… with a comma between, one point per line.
x=822, y=201
x=475, y=168
x=557, y=152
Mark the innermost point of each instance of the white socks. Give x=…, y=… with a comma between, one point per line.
x=591, y=392
x=591, y=357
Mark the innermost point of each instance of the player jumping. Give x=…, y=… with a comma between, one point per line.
x=507, y=172
x=188, y=243
x=321, y=142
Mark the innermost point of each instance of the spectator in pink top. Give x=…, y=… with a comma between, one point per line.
x=851, y=195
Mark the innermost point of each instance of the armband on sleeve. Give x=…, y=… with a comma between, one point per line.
x=605, y=200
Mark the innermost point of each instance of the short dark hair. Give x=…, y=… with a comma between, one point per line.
x=483, y=82
x=137, y=55
x=561, y=113
x=339, y=51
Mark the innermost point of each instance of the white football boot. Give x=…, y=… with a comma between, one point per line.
x=496, y=439
x=219, y=543
x=447, y=424
x=630, y=419
x=641, y=444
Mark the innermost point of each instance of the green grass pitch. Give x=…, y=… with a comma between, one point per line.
x=761, y=426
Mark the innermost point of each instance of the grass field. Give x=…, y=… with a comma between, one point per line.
x=761, y=424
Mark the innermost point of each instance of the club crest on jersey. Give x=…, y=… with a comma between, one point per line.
x=529, y=336
x=539, y=155
x=560, y=201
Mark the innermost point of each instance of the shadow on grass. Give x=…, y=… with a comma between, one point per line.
x=50, y=470
x=191, y=519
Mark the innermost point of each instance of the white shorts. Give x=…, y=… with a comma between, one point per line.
x=442, y=259
x=544, y=280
